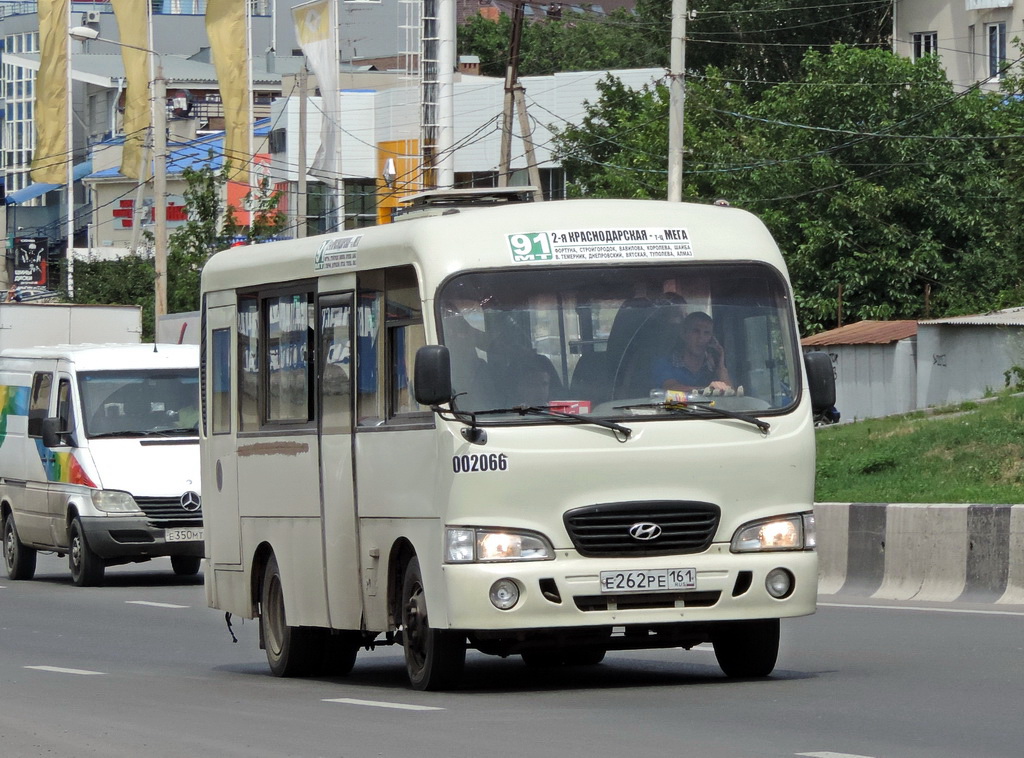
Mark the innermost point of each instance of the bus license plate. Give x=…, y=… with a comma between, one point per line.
x=649, y=580
x=184, y=535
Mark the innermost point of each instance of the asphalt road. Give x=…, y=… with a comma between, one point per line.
x=141, y=667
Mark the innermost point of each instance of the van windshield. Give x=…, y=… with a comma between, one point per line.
x=621, y=341
x=128, y=403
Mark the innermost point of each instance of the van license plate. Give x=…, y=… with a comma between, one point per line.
x=184, y=535
x=649, y=580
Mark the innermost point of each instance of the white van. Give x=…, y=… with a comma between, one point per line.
x=99, y=457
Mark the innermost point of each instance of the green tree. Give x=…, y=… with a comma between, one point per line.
x=878, y=181
x=211, y=227
x=125, y=281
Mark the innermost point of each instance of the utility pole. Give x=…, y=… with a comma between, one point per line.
x=677, y=95
x=300, y=201
x=516, y=100
x=160, y=189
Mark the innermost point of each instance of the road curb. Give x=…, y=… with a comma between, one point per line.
x=922, y=551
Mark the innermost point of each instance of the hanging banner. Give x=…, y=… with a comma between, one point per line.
x=133, y=27
x=229, y=42
x=52, y=150
x=316, y=28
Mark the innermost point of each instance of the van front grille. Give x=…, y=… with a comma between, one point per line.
x=660, y=527
x=169, y=512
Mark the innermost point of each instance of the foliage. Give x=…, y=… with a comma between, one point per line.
x=125, y=281
x=756, y=41
x=877, y=180
x=970, y=454
x=210, y=227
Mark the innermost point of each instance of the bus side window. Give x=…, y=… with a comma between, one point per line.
x=220, y=376
x=405, y=336
x=39, y=403
x=368, y=355
x=248, y=363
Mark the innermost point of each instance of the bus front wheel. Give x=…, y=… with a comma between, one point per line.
x=291, y=650
x=747, y=649
x=434, y=658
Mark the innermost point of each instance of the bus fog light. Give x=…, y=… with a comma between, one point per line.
x=779, y=583
x=504, y=594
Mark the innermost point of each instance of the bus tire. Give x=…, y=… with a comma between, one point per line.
x=291, y=650
x=19, y=559
x=186, y=565
x=434, y=658
x=747, y=649
x=86, y=567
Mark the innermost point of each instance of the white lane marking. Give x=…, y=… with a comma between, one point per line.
x=827, y=754
x=381, y=704
x=155, y=605
x=59, y=670
x=927, y=608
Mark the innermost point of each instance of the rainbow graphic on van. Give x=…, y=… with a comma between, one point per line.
x=13, y=402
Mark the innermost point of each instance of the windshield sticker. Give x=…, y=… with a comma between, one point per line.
x=600, y=245
x=337, y=253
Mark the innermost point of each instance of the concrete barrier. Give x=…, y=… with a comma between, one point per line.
x=916, y=551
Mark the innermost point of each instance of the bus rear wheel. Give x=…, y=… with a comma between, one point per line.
x=434, y=658
x=20, y=560
x=747, y=649
x=186, y=565
x=291, y=650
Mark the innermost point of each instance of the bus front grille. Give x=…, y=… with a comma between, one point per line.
x=661, y=527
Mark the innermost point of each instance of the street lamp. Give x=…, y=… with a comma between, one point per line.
x=84, y=34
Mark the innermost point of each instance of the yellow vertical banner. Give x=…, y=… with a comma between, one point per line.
x=406, y=177
x=229, y=42
x=52, y=149
x=133, y=27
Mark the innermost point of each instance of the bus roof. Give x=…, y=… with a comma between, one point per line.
x=477, y=238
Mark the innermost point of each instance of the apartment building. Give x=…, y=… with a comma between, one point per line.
x=974, y=39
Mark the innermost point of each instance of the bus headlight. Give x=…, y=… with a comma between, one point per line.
x=794, y=532
x=467, y=545
x=114, y=501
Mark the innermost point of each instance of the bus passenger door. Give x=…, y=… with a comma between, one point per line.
x=341, y=539
x=220, y=461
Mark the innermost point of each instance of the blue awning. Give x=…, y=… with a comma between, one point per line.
x=41, y=188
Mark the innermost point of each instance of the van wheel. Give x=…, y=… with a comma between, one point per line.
x=86, y=567
x=434, y=658
x=747, y=649
x=186, y=565
x=20, y=560
x=291, y=650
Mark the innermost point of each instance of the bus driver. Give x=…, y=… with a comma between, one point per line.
x=697, y=359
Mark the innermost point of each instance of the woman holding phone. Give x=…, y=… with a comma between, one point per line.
x=697, y=360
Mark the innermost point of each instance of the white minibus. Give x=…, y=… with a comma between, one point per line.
x=99, y=457
x=547, y=430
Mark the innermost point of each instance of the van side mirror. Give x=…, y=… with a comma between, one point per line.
x=821, y=381
x=52, y=433
x=432, y=378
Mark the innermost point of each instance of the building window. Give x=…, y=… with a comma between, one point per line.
x=996, y=48
x=925, y=43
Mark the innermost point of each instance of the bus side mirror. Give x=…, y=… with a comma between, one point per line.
x=821, y=381
x=432, y=379
x=51, y=432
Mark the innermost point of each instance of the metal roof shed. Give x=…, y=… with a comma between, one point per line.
x=965, y=357
x=875, y=366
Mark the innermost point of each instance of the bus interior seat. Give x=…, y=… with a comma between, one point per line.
x=594, y=375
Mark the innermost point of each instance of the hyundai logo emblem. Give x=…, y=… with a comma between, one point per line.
x=191, y=501
x=645, y=531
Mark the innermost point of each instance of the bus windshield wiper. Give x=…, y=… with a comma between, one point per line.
x=542, y=410
x=706, y=408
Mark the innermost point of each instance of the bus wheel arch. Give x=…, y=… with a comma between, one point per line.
x=402, y=552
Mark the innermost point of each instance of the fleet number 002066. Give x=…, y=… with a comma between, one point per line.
x=649, y=580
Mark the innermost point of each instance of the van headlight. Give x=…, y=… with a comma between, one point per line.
x=468, y=545
x=794, y=532
x=114, y=501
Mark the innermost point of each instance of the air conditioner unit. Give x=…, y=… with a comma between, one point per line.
x=91, y=17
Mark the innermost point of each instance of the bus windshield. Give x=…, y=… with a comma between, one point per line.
x=140, y=402
x=621, y=341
